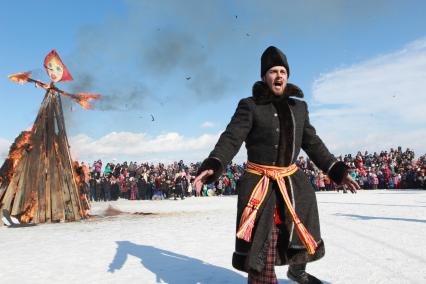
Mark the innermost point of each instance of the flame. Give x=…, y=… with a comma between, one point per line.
x=84, y=99
x=20, y=77
x=23, y=142
x=28, y=215
x=77, y=178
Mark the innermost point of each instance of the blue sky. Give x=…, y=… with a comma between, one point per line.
x=361, y=65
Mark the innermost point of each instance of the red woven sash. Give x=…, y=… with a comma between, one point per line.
x=258, y=196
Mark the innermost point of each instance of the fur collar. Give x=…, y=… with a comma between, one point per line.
x=262, y=94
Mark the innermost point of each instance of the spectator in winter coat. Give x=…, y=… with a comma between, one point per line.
x=115, y=189
x=179, y=185
x=106, y=184
x=99, y=190
x=133, y=189
x=107, y=169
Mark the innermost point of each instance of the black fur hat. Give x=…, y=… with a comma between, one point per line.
x=271, y=57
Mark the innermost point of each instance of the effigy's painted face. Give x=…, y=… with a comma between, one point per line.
x=54, y=69
x=276, y=78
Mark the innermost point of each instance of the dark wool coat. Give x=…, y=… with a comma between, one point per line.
x=274, y=130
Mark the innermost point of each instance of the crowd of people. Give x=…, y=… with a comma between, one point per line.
x=392, y=169
x=135, y=181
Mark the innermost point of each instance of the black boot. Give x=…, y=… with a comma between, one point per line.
x=297, y=273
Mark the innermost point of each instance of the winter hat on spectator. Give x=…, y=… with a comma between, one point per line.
x=271, y=57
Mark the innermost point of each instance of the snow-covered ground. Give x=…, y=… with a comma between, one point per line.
x=371, y=237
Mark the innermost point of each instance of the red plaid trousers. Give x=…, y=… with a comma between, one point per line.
x=267, y=276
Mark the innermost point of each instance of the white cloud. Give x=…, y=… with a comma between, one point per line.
x=375, y=104
x=207, y=124
x=128, y=146
x=166, y=148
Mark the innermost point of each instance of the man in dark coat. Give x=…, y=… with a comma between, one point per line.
x=179, y=185
x=106, y=184
x=274, y=124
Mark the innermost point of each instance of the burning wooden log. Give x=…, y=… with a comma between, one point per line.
x=37, y=181
x=82, y=99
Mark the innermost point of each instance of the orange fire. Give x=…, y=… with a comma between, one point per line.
x=76, y=171
x=22, y=143
x=20, y=78
x=84, y=99
x=28, y=215
x=79, y=176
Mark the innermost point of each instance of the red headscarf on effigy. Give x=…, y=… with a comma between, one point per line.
x=66, y=76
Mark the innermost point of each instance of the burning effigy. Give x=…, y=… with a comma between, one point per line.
x=38, y=183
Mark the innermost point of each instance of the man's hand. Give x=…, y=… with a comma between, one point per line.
x=349, y=183
x=199, y=180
